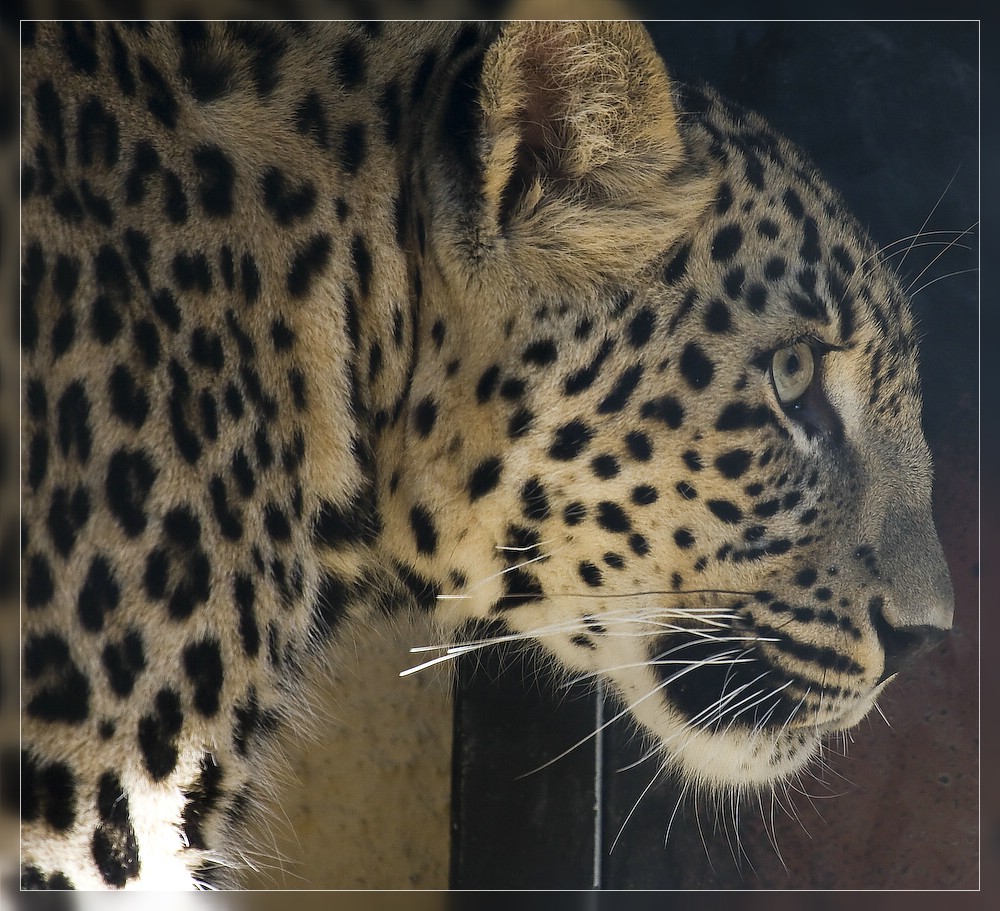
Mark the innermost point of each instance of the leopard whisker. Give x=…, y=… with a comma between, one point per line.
x=941, y=253
x=925, y=286
x=930, y=214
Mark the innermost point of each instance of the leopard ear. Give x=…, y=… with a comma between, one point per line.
x=583, y=166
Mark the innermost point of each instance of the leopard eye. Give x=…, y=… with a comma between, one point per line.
x=792, y=372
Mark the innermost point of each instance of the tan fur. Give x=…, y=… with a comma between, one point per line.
x=610, y=183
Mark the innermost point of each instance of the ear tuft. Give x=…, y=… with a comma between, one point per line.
x=584, y=168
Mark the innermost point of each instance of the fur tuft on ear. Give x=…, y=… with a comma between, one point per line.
x=585, y=174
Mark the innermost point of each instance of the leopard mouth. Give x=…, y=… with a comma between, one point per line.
x=735, y=719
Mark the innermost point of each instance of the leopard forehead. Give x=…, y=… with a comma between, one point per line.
x=324, y=321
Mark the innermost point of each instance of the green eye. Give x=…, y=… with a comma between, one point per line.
x=792, y=372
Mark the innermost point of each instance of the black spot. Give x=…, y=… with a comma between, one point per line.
x=733, y=282
x=590, y=574
x=768, y=228
x=534, y=502
x=54, y=787
x=574, y=513
x=485, y=477
x=128, y=401
x=644, y=495
x=66, y=698
x=520, y=423
x=734, y=463
x=583, y=379
x=50, y=119
x=520, y=587
x=622, y=391
x=683, y=538
x=728, y=512
x=202, y=68
x=638, y=445
x=216, y=179
x=124, y=662
x=665, y=409
x=357, y=522
x=160, y=100
x=175, y=205
x=244, y=596
x=297, y=385
x=79, y=41
x=424, y=532
x=98, y=596
x=165, y=307
x=329, y=609
x=42, y=652
x=740, y=416
x=611, y=517
x=717, y=317
x=540, y=353
x=640, y=329
x=512, y=389
x=114, y=847
x=65, y=276
x=276, y=523
x=675, y=269
x=810, y=249
x=282, y=337
x=422, y=77
x=793, y=204
x=267, y=47
x=252, y=722
x=201, y=799
x=605, y=466
x=424, y=416
x=756, y=298
x=693, y=460
x=209, y=414
x=38, y=583
x=696, y=368
x=570, y=440
x=68, y=513
x=145, y=162
x=243, y=473
x=638, y=545
x=128, y=482
x=191, y=270
x=310, y=119
x=203, y=667
x=147, y=341
x=487, y=384
x=767, y=509
x=182, y=527
x=805, y=578
x=362, y=260
x=726, y=243
x=352, y=148
x=287, y=203
x=229, y=522
x=349, y=64
x=389, y=103
x=73, y=415
x=309, y=261
x=38, y=459
x=157, y=734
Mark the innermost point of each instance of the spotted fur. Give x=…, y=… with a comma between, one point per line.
x=320, y=322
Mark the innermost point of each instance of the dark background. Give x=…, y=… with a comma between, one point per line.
x=890, y=114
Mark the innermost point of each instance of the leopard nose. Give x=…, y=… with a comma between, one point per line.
x=901, y=644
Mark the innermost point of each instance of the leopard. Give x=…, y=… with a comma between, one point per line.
x=327, y=323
